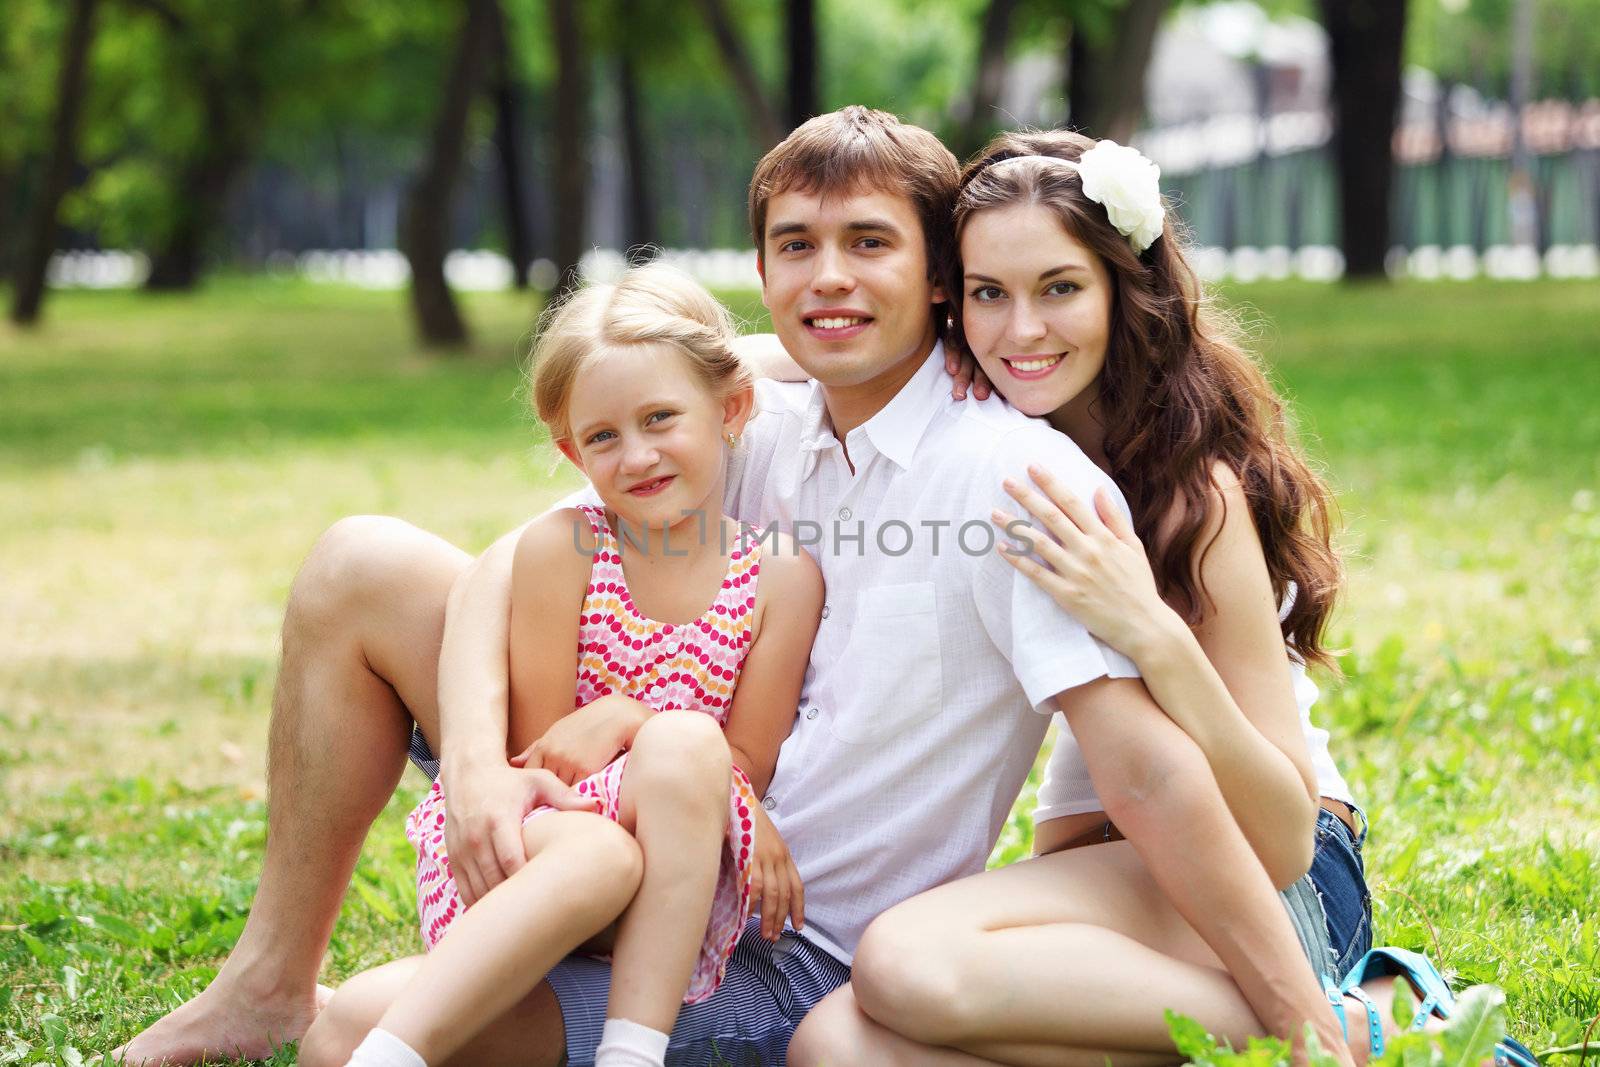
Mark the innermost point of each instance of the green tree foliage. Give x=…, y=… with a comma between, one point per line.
x=1466, y=42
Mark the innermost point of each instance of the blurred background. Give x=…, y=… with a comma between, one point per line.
x=268, y=263
x=491, y=143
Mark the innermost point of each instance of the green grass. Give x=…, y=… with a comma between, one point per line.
x=165, y=464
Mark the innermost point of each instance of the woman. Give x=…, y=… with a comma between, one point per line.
x=1073, y=296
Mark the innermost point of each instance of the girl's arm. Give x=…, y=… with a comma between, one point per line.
x=549, y=576
x=789, y=609
x=789, y=606
x=1227, y=684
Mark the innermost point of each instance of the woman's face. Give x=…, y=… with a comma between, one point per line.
x=1036, y=308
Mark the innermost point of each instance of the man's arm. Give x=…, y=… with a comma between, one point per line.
x=1159, y=790
x=488, y=796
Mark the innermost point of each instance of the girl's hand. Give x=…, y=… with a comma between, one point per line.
x=966, y=372
x=1094, y=564
x=775, y=883
x=577, y=745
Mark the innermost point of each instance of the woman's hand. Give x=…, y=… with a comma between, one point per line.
x=1094, y=564
x=965, y=370
x=577, y=745
x=775, y=883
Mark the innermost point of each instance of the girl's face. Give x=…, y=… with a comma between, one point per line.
x=1036, y=308
x=650, y=436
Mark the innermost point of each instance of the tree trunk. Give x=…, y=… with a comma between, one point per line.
x=508, y=148
x=571, y=107
x=229, y=105
x=641, y=227
x=1364, y=44
x=40, y=237
x=994, y=38
x=763, y=120
x=1105, y=79
x=801, y=23
x=425, y=216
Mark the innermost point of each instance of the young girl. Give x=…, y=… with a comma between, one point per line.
x=1073, y=295
x=650, y=667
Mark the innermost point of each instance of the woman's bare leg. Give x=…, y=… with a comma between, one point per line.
x=582, y=870
x=1040, y=961
x=675, y=798
x=837, y=1033
x=1079, y=950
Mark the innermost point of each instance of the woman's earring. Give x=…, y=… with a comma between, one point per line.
x=733, y=442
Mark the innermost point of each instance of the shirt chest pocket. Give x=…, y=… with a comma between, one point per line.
x=890, y=673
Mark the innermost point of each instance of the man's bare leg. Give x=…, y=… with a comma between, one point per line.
x=361, y=639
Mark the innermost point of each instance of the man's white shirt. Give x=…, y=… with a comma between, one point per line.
x=931, y=682
x=917, y=724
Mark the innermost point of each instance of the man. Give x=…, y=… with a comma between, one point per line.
x=918, y=719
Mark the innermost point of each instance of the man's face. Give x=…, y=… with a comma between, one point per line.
x=846, y=279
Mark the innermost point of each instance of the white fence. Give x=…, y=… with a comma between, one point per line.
x=476, y=271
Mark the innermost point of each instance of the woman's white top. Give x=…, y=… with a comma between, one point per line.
x=1066, y=789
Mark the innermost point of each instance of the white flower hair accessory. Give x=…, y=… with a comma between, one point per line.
x=1125, y=183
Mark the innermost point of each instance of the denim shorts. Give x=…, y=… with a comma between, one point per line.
x=1339, y=877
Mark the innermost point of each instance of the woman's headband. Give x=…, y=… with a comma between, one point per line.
x=1121, y=180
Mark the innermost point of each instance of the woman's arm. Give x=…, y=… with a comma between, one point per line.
x=1227, y=684
x=1158, y=788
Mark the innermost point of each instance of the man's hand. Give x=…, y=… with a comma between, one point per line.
x=775, y=882
x=483, y=822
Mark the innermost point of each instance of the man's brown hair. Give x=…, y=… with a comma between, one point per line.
x=858, y=148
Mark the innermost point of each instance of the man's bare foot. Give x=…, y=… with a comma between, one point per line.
x=220, y=1022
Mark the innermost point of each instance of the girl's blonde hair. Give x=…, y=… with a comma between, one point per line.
x=650, y=304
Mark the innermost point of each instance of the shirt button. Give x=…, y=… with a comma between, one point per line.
x=811, y=713
x=769, y=804
x=827, y=609
x=844, y=513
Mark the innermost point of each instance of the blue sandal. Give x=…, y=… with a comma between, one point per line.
x=1437, y=1000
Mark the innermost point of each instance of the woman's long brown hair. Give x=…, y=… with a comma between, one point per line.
x=1178, y=394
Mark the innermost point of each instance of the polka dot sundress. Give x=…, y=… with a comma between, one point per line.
x=669, y=667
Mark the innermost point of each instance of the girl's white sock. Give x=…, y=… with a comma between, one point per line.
x=383, y=1049
x=628, y=1044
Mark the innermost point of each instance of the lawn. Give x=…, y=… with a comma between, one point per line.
x=166, y=462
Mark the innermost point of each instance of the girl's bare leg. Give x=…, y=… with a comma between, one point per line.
x=528, y=1035
x=675, y=799
x=582, y=870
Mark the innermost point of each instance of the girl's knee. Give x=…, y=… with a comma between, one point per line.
x=681, y=750
x=593, y=840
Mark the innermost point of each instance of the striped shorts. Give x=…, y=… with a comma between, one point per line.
x=747, y=1022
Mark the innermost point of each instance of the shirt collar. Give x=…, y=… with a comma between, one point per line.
x=897, y=428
